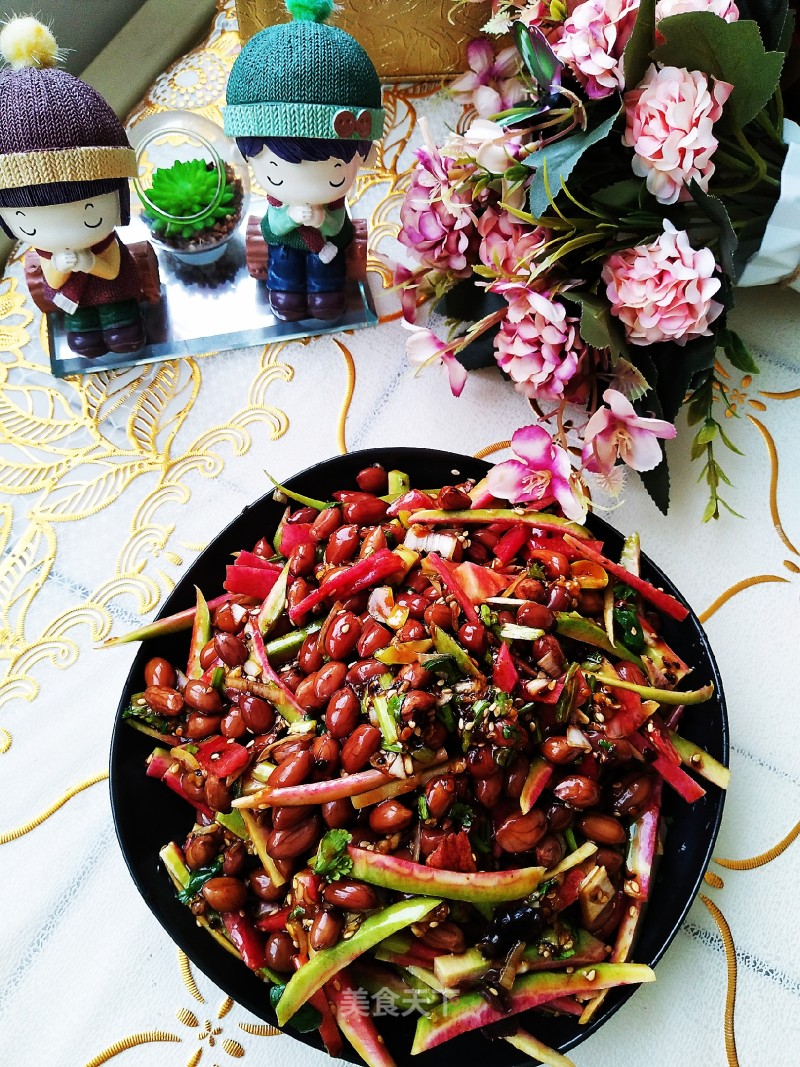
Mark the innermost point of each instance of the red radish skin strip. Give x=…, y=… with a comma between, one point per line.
x=314, y=792
x=250, y=581
x=250, y=559
x=681, y=782
x=657, y=597
x=642, y=850
x=363, y=574
x=357, y=1027
x=269, y=671
x=454, y=587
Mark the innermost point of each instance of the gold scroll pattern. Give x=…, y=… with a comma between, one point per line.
x=62, y=465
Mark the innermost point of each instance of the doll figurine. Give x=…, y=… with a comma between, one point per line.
x=65, y=161
x=304, y=104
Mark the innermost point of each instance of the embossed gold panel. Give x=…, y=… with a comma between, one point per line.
x=407, y=40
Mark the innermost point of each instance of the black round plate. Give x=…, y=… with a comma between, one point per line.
x=147, y=815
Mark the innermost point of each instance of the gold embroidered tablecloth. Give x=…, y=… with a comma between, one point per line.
x=109, y=487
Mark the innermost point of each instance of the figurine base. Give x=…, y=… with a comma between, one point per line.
x=205, y=309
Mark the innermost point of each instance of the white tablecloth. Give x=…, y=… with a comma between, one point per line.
x=109, y=486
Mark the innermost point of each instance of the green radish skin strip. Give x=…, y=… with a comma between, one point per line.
x=534, y=1048
x=329, y=961
x=358, y=1028
x=697, y=759
x=274, y=603
x=173, y=624
x=488, y=515
x=313, y=792
x=404, y=876
x=580, y=629
x=471, y=1011
x=662, y=696
x=663, y=601
x=201, y=635
x=453, y=970
x=306, y=501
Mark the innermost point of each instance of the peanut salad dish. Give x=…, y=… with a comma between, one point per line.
x=424, y=739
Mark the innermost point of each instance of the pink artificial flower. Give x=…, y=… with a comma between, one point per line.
x=423, y=347
x=407, y=283
x=539, y=345
x=593, y=40
x=668, y=124
x=540, y=475
x=488, y=144
x=491, y=85
x=726, y=9
x=663, y=291
x=507, y=246
x=618, y=432
x=437, y=221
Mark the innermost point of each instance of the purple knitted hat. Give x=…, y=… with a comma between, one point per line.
x=59, y=139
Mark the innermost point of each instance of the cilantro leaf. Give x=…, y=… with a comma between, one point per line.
x=197, y=879
x=332, y=860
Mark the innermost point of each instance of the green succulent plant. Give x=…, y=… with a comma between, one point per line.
x=184, y=190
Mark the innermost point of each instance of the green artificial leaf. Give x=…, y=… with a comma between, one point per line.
x=730, y=51
x=555, y=162
x=624, y=194
x=656, y=482
x=636, y=57
x=629, y=380
x=537, y=55
x=676, y=366
x=773, y=18
x=737, y=352
x=333, y=860
x=598, y=327
x=714, y=209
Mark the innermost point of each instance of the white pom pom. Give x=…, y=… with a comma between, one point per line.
x=26, y=42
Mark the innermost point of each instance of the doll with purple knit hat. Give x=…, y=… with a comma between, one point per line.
x=304, y=104
x=65, y=161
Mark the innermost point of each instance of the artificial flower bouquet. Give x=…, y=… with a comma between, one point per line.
x=620, y=163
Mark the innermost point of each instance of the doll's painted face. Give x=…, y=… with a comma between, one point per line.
x=65, y=227
x=315, y=182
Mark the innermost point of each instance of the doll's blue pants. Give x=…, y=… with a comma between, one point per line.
x=292, y=270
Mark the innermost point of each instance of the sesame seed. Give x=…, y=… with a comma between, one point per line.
x=591, y=975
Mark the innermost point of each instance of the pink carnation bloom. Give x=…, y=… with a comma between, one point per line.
x=488, y=144
x=438, y=224
x=423, y=348
x=726, y=9
x=593, y=40
x=663, y=291
x=491, y=85
x=617, y=431
x=540, y=475
x=538, y=345
x=668, y=124
x=508, y=247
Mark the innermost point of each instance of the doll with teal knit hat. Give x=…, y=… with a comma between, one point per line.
x=304, y=104
x=65, y=161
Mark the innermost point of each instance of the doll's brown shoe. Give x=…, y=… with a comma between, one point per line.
x=288, y=307
x=88, y=344
x=128, y=338
x=328, y=306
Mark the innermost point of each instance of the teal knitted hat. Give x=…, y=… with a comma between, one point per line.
x=304, y=79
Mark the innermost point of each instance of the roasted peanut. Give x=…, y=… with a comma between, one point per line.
x=262, y=886
x=284, y=818
x=325, y=751
x=373, y=479
x=200, y=850
x=325, y=930
x=516, y=773
x=520, y=833
x=328, y=680
x=218, y=795
x=342, y=713
x=473, y=638
x=310, y=657
x=164, y=701
x=306, y=694
x=550, y=850
x=234, y=859
x=286, y=844
x=451, y=498
x=439, y=615
x=230, y=649
x=447, y=937
x=233, y=724
x=362, y=743
x=202, y=697
x=225, y=894
x=280, y=952
x=350, y=895
x=292, y=771
x=489, y=790
x=159, y=672
x=258, y=715
x=535, y=615
x=342, y=544
x=302, y=559
x=603, y=829
x=557, y=750
x=338, y=813
x=342, y=636
x=325, y=523
x=632, y=793
x=361, y=672
x=373, y=637
x=439, y=794
x=389, y=817
x=578, y=791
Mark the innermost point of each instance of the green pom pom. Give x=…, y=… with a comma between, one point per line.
x=309, y=10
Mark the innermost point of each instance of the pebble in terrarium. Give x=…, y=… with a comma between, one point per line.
x=304, y=104
x=65, y=161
